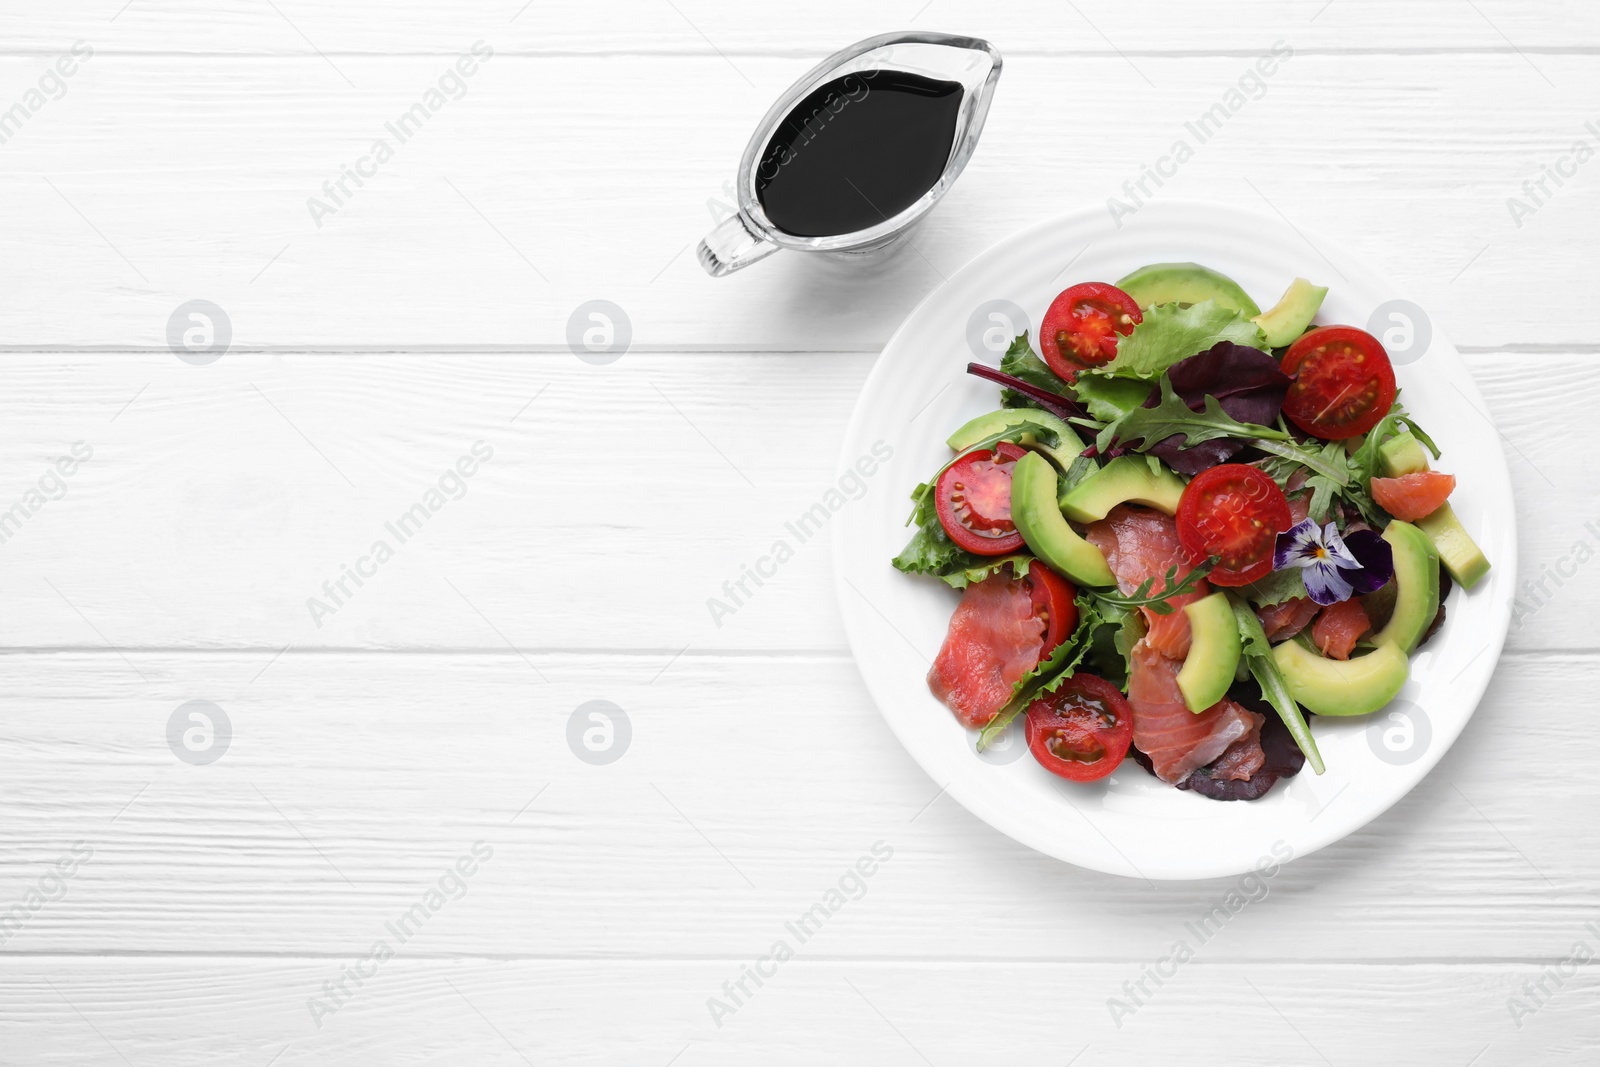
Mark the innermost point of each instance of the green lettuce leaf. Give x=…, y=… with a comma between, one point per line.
x=1111, y=648
x=1143, y=427
x=1257, y=653
x=983, y=567
x=1276, y=587
x=1049, y=674
x=1366, y=461
x=1172, y=332
x=1020, y=361
x=1108, y=399
x=930, y=551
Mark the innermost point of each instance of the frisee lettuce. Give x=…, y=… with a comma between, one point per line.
x=985, y=567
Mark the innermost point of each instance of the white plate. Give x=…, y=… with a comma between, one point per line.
x=1129, y=823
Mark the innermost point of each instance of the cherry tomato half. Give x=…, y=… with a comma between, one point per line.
x=1054, y=599
x=1233, y=512
x=1082, y=731
x=1343, y=382
x=1083, y=325
x=973, y=499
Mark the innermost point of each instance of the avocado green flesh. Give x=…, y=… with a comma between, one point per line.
x=1213, y=657
x=1457, y=550
x=1288, y=318
x=1416, y=579
x=1044, y=529
x=1186, y=283
x=1401, y=455
x=1460, y=554
x=1342, y=687
x=1064, y=451
x=1126, y=479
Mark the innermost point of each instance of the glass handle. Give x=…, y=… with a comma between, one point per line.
x=732, y=246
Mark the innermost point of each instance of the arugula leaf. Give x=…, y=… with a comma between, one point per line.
x=923, y=509
x=1171, y=586
x=1276, y=587
x=1366, y=461
x=1172, y=416
x=1049, y=674
x=1257, y=653
x=1323, y=487
x=1109, y=399
x=1144, y=427
x=1172, y=332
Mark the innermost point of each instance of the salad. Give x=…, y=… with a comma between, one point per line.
x=1189, y=525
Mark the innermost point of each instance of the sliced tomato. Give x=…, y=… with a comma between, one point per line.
x=973, y=500
x=1235, y=513
x=1054, y=599
x=1413, y=496
x=1080, y=732
x=1083, y=325
x=1343, y=382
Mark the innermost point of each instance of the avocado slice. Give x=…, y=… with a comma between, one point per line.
x=1458, y=552
x=1045, y=530
x=1416, y=580
x=1293, y=312
x=1124, y=479
x=1186, y=283
x=1214, y=649
x=1342, y=687
x=1068, y=445
x=1403, y=454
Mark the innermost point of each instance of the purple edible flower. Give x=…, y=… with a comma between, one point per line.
x=1324, y=556
x=1376, y=559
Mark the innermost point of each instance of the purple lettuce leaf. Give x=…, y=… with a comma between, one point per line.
x=1248, y=384
x=1062, y=407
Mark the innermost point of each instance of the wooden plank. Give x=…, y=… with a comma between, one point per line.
x=181, y=1012
x=750, y=786
x=220, y=499
x=556, y=181
x=1095, y=27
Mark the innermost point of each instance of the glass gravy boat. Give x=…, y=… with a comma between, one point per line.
x=973, y=66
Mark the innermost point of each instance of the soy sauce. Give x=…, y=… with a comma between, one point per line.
x=857, y=151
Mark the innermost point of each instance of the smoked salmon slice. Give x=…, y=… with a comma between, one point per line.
x=1339, y=627
x=1176, y=740
x=994, y=639
x=1140, y=543
x=1283, y=621
x=1413, y=496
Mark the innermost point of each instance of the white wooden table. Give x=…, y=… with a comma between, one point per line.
x=230, y=912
